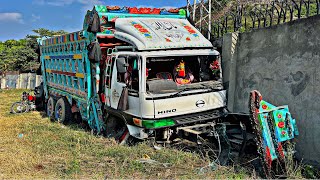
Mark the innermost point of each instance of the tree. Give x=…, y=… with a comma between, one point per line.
x=23, y=54
x=16, y=55
x=42, y=32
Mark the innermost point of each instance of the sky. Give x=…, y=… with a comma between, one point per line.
x=19, y=17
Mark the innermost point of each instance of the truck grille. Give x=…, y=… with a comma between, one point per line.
x=203, y=116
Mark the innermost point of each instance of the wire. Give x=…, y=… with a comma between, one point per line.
x=219, y=144
x=213, y=163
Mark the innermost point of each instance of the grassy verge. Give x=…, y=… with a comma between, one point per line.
x=33, y=147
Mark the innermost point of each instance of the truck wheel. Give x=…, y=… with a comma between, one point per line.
x=117, y=129
x=62, y=111
x=50, y=108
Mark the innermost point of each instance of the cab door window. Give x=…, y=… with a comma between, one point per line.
x=131, y=76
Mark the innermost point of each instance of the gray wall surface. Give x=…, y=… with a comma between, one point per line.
x=11, y=80
x=283, y=63
x=20, y=81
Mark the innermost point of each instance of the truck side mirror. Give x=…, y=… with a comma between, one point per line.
x=122, y=65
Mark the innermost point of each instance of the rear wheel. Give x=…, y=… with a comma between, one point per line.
x=62, y=111
x=50, y=108
x=19, y=107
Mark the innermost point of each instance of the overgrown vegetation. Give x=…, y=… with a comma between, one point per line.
x=33, y=147
x=21, y=55
x=243, y=16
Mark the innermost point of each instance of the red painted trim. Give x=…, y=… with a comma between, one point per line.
x=110, y=44
x=105, y=37
x=123, y=136
x=63, y=73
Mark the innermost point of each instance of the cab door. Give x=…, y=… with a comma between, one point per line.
x=118, y=83
x=126, y=74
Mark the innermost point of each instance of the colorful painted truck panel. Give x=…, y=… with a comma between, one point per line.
x=68, y=72
x=274, y=128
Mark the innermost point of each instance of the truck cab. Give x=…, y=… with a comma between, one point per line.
x=167, y=76
x=154, y=76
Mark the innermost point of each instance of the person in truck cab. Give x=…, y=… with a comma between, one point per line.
x=132, y=75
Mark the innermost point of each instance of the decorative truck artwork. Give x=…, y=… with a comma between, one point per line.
x=167, y=26
x=274, y=128
x=163, y=33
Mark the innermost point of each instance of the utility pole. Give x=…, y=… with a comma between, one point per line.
x=201, y=14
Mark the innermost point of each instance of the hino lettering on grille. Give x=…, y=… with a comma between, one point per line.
x=167, y=111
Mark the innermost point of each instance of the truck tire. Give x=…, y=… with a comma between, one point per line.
x=50, y=108
x=117, y=129
x=62, y=112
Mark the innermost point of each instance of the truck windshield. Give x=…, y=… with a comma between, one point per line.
x=176, y=73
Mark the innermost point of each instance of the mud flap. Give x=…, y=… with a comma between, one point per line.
x=123, y=101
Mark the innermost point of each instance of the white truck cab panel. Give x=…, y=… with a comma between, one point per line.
x=148, y=105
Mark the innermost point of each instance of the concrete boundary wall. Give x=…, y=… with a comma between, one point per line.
x=20, y=81
x=283, y=63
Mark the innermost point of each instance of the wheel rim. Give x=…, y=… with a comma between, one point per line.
x=58, y=114
x=50, y=108
x=19, y=108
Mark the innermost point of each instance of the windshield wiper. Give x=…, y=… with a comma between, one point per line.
x=211, y=88
x=195, y=88
x=181, y=91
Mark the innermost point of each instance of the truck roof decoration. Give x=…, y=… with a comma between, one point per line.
x=109, y=14
x=144, y=28
x=66, y=38
x=155, y=33
x=114, y=12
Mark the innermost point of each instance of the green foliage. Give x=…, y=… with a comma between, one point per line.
x=21, y=55
x=312, y=10
x=311, y=172
x=255, y=15
x=42, y=32
x=17, y=55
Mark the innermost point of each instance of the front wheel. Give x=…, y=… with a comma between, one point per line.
x=117, y=129
x=19, y=107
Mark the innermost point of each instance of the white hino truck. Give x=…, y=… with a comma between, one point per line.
x=135, y=72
